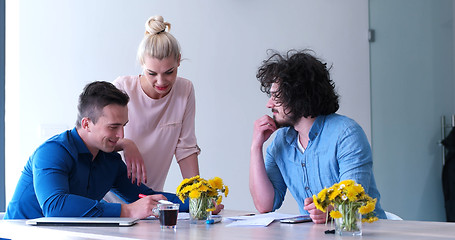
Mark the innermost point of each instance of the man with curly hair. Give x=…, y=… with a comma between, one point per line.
x=314, y=147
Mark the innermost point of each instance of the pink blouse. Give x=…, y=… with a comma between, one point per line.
x=161, y=128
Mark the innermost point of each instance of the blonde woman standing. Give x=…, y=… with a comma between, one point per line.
x=161, y=111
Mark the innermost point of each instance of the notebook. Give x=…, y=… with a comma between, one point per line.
x=83, y=221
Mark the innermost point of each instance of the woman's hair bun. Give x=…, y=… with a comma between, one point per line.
x=156, y=25
x=157, y=43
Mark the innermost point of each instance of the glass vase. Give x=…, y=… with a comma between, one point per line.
x=198, y=210
x=350, y=223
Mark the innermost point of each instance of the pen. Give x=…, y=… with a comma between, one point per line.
x=250, y=214
x=160, y=201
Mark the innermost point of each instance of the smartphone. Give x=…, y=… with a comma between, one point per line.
x=299, y=219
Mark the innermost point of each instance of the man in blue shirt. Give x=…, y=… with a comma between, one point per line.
x=314, y=147
x=70, y=173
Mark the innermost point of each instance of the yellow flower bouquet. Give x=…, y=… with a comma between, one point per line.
x=350, y=202
x=202, y=193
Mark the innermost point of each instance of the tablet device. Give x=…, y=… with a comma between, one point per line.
x=299, y=219
x=83, y=221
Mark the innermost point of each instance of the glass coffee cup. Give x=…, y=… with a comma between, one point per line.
x=167, y=214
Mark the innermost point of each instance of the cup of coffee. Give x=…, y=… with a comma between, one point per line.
x=167, y=214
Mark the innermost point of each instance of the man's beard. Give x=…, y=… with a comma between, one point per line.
x=288, y=122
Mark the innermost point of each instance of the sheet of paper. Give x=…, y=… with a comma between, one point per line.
x=274, y=215
x=255, y=222
x=183, y=216
x=258, y=220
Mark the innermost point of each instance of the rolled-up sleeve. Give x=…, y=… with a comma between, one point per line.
x=187, y=143
x=354, y=157
x=274, y=174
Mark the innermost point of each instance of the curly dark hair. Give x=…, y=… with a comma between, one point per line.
x=95, y=97
x=304, y=85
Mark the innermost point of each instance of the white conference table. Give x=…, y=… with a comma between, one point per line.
x=150, y=229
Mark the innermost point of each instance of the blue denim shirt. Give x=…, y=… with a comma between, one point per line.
x=338, y=149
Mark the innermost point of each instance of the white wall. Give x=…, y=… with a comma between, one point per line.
x=62, y=45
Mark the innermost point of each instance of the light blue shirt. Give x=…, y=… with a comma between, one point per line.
x=338, y=150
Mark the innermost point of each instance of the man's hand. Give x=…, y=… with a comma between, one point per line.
x=134, y=162
x=261, y=188
x=316, y=215
x=263, y=129
x=142, y=208
x=218, y=208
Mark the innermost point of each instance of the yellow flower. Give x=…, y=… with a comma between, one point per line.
x=179, y=188
x=348, y=182
x=213, y=193
x=352, y=193
x=195, y=178
x=335, y=193
x=369, y=207
x=322, y=195
x=335, y=214
x=210, y=209
x=186, y=189
x=197, y=187
x=216, y=182
x=358, y=188
x=370, y=220
x=317, y=204
x=350, y=196
x=203, y=188
x=226, y=190
x=364, y=197
x=195, y=194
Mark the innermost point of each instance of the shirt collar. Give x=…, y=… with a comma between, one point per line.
x=291, y=133
x=317, y=127
x=291, y=136
x=80, y=145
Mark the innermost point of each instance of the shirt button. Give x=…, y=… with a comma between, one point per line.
x=303, y=164
x=307, y=188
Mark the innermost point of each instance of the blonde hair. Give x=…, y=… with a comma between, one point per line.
x=157, y=43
